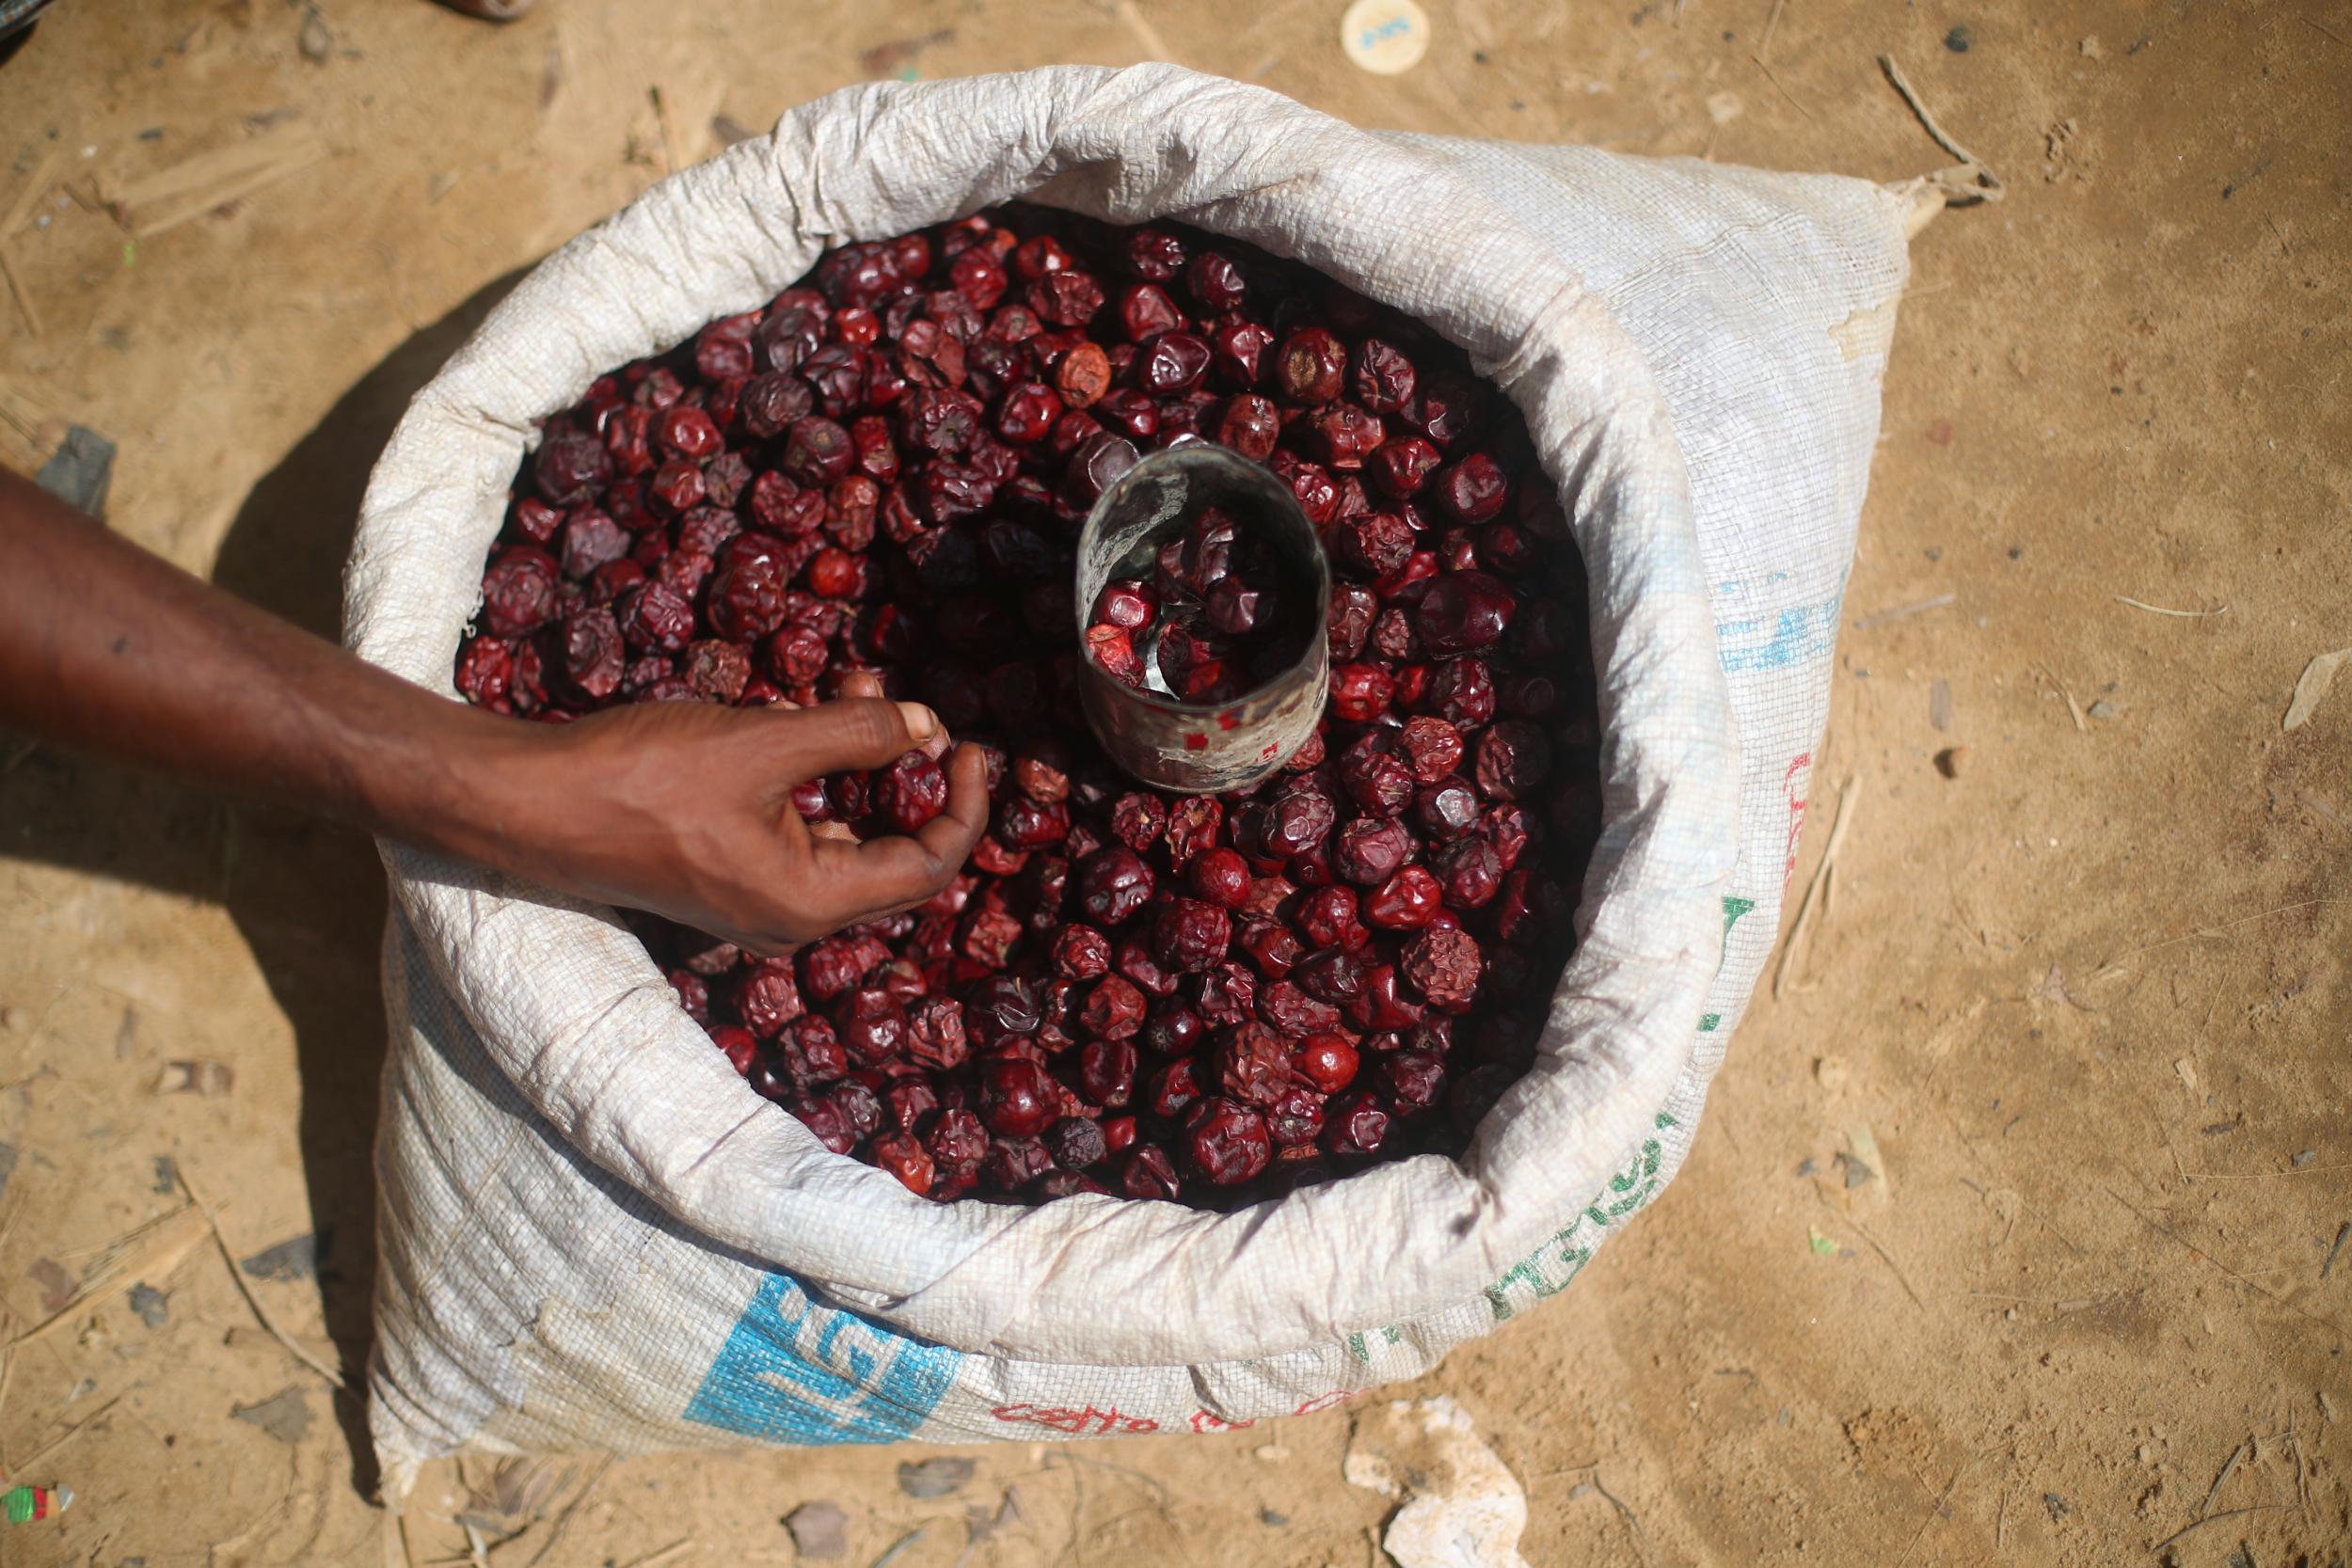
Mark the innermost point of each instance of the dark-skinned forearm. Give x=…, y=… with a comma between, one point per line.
x=110, y=650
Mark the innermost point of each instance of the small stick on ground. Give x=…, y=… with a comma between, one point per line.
x=24, y=295
x=35, y=187
x=2202, y=1256
x=1781, y=88
x=2184, y=614
x=564, y=1520
x=1803, y=924
x=1771, y=25
x=687, y=1544
x=1619, y=1503
x=1880, y=618
x=2074, y=708
x=2258, y=1175
x=2211, y=1518
x=236, y=1275
x=1933, y=1509
x=33, y=1460
x=2226, y=927
x=2237, y=1456
x=672, y=159
x=151, y=1251
x=2343, y=1232
x=1900, y=1278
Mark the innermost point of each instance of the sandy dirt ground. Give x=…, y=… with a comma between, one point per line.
x=2008, y=1237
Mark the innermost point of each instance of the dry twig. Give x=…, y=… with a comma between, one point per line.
x=2184, y=614
x=229, y=1261
x=1813, y=892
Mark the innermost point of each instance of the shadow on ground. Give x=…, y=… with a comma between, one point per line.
x=307, y=897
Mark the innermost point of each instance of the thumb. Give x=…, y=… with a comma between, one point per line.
x=855, y=732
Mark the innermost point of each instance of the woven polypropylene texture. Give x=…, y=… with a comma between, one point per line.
x=595, y=1235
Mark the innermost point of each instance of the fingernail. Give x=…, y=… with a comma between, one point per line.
x=922, y=723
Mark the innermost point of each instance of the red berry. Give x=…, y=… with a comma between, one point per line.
x=746, y=600
x=1474, y=489
x=1219, y=877
x=1214, y=283
x=1189, y=936
x=1464, y=611
x=1444, y=967
x=1075, y=1143
x=1226, y=1143
x=1406, y=901
x=957, y=1144
x=1414, y=1081
x=1360, y=692
x=1327, y=1061
x=1378, y=543
x=739, y=1045
x=910, y=792
x=1513, y=758
x=1250, y=425
x=1081, y=952
x=1018, y=1098
x=1127, y=603
x=1107, y=1072
x=1327, y=918
x=518, y=592
x=1354, y=1124
x=1312, y=366
x=1174, y=364
x=1113, y=1010
x=1381, y=376
x=485, y=667
x=1174, y=1088
x=1295, y=1118
x=905, y=1158
x=1149, y=1172
x=935, y=1034
x=569, y=468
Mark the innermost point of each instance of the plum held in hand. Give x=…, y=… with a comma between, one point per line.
x=1192, y=998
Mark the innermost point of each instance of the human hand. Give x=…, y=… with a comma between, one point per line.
x=684, y=810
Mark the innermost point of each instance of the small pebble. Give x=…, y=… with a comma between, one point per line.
x=1271, y=1452
x=2104, y=709
x=1950, y=760
x=1958, y=39
x=1830, y=1071
x=820, y=1530
x=1269, y=1517
x=2304, y=1157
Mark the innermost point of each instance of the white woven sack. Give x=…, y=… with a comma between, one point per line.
x=594, y=1235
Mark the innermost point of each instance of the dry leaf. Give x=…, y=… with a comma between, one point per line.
x=515, y=1495
x=2312, y=688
